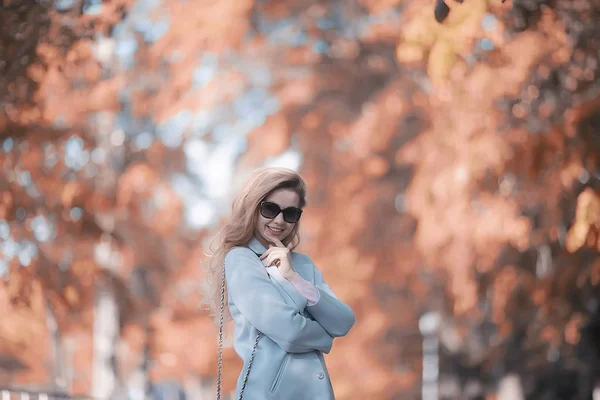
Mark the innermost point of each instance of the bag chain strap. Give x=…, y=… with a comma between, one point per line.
x=220, y=352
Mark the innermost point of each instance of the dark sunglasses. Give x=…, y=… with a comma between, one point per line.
x=271, y=210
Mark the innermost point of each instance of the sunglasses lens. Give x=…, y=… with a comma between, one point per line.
x=292, y=215
x=269, y=210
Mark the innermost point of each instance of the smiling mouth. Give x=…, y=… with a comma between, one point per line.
x=276, y=231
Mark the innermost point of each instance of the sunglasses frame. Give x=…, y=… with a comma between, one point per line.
x=296, y=209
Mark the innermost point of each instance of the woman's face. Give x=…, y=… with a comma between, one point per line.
x=277, y=227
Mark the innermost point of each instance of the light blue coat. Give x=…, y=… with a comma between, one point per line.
x=288, y=363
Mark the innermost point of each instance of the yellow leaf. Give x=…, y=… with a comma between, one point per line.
x=577, y=236
x=588, y=207
x=409, y=53
x=421, y=31
x=587, y=215
x=70, y=191
x=472, y=10
x=71, y=295
x=441, y=60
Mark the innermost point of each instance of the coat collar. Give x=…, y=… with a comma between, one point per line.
x=256, y=246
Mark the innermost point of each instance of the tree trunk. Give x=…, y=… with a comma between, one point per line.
x=59, y=368
x=510, y=388
x=106, y=335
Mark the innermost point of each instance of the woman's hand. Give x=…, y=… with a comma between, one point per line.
x=280, y=256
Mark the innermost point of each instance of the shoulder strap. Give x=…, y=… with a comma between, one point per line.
x=220, y=352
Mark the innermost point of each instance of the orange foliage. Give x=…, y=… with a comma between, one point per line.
x=442, y=177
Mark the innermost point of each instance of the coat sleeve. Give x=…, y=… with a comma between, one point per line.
x=333, y=314
x=257, y=299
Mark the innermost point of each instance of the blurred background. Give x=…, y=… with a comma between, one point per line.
x=451, y=153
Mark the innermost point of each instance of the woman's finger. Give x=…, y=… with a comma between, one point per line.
x=271, y=260
x=265, y=254
x=277, y=242
x=267, y=258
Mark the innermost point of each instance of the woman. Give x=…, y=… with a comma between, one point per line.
x=285, y=316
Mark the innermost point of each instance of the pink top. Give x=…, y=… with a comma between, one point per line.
x=304, y=287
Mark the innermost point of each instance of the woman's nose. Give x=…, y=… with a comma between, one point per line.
x=279, y=218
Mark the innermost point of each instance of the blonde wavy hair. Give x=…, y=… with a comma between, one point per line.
x=241, y=225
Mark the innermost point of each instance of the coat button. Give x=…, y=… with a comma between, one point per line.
x=320, y=375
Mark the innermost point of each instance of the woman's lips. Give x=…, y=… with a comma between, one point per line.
x=275, y=231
